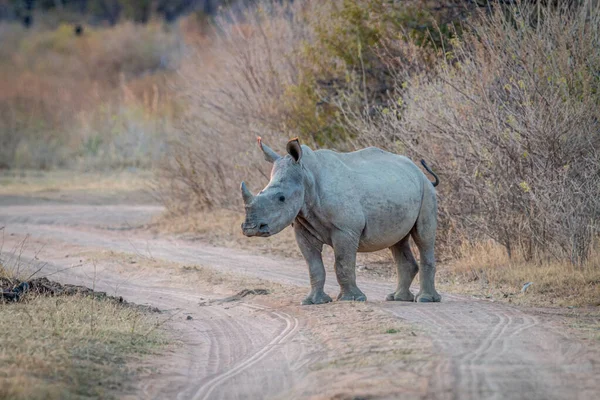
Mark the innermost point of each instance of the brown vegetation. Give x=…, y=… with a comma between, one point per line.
x=57, y=347
x=98, y=100
x=504, y=106
x=484, y=270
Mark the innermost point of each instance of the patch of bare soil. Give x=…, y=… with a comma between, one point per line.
x=368, y=353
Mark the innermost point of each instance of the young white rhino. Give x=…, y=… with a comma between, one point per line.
x=363, y=201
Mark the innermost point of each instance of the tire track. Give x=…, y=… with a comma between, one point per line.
x=490, y=353
x=204, y=391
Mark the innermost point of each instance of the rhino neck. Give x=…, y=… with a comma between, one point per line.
x=308, y=215
x=311, y=195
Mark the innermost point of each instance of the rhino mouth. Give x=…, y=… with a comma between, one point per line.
x=260, y=230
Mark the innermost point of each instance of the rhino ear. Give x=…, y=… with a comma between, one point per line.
x=294, y=149
x=269, y=154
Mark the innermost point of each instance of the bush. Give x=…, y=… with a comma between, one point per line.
x=276, y=70
x=234, y=86
x=510, y=122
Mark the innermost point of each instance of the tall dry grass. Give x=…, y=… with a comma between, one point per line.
x=484, y=268
x=99, y=100
x=234, y=86
x=71, y=347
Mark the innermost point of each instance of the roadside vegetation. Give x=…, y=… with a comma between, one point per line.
x=70, y=346
x=501, y=98
x=94, y=101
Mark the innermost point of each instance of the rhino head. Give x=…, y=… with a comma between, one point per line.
x=278, y=204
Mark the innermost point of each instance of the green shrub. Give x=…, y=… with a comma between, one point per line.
x=348, y=61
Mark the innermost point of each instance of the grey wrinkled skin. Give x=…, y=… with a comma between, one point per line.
x=362, y=201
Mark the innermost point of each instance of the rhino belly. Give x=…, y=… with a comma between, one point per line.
x=384, y=229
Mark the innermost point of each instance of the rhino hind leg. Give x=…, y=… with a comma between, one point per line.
x=424, y=235
x=406, y=269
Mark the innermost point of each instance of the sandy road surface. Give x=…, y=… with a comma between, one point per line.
x=259, y=349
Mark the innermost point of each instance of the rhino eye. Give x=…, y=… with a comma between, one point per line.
x=282, y=198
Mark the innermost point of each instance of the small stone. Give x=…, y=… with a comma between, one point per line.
x=189, y=318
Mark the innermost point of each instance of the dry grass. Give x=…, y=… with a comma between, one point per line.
x=30, y=182
x=71, y=346
x=107, y=187
x=94, y=101
x=486, y=270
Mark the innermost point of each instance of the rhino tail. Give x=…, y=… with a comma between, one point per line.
x=437, y=180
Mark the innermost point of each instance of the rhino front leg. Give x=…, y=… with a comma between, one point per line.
x=311, y=248
x=345, y=249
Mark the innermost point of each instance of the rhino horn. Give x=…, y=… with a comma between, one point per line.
x=246, y=194
x=269, y=154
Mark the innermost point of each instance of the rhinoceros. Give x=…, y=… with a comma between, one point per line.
x=362, y=201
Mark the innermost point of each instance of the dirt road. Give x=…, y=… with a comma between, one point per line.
x=269, y=347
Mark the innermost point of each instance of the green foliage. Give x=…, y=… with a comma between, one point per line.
x=137, y=10
x=309, y=116
x=356, y=27
x=355, y=43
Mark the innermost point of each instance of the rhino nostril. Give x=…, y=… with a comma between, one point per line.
x=263, y=227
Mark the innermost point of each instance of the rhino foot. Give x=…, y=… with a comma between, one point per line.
x=401, y=296
x=316, y=298
x=352, y=295
x=429, y=297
